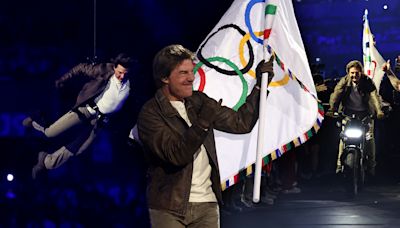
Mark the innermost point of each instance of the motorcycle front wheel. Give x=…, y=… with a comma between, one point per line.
x=352, y=170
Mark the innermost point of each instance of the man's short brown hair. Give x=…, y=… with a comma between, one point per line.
x=356, y=64
x=167, y=59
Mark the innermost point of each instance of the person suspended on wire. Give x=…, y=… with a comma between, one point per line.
x=104, y=91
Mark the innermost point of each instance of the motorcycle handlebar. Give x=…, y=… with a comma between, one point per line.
x=343, y=115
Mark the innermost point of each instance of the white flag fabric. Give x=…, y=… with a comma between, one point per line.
x=373, y=61
x=226, y=69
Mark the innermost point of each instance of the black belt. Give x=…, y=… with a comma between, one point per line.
x=95, y=107
x=101, y=117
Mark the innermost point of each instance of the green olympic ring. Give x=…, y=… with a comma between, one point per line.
x=243, y=96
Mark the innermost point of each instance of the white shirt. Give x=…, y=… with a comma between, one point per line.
x=200, y=190
x=113, y=96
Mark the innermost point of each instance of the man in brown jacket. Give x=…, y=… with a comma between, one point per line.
x=355, y=94
x=176, y=130
x=105, y=90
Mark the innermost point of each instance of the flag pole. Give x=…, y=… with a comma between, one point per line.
x=260, y=138
x=262, y=114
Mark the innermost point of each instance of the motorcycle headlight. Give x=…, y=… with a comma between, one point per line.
x=353, y=133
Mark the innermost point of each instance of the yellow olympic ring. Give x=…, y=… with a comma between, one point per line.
x=282, y=82
x=241, y=51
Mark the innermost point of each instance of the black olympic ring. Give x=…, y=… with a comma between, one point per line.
x=223, y=71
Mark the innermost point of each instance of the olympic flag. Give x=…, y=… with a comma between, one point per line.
x=226, y=69
x=373, y=61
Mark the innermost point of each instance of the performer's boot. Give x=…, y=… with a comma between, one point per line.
x=229, y=198
x=247, y=192
x=40, y=166
x=266, y=197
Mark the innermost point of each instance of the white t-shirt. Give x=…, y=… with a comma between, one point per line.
x=113, y=97
x=200, y=190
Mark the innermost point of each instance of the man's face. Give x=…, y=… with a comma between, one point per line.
x=355, y=74
x=120, y=72
x=178, y=85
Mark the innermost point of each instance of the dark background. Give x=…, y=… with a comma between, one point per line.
x=41, y=40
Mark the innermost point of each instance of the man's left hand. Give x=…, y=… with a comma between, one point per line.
x=264, y=67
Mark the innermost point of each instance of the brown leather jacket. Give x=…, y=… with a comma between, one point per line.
x=97, y=76
x=342, y=91
x=170, y=144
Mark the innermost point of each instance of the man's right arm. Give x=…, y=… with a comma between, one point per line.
x=336, y=96
x=78, y=70
x=164, y=141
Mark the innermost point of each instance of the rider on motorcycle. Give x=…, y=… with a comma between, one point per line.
x=356, y=94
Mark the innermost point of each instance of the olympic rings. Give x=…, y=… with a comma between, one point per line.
x=218, y=69
x=241, y=51
x=198, y=68
x=245, y=88
x=248, y=23
x=281, y=82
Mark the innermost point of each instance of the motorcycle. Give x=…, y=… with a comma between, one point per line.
x=354, y=134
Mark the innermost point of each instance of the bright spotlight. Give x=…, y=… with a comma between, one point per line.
x=10, y=177
x=385, y=7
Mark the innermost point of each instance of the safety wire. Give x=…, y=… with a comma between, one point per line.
x=94, y=28
x=93, y=59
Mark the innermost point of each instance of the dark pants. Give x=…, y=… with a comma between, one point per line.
x=197, y=215
x=287, y=169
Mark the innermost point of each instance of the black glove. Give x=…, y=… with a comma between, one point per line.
x=207, y=114
x=331, y=113
x=264, y=67
x=366, y=85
